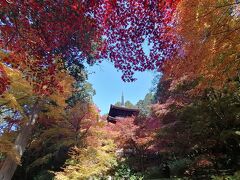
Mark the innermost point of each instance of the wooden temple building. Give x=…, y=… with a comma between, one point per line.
x=117, y=113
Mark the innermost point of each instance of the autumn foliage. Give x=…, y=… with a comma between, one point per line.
x=49, y=123
x=208, y=38
x=130, y=26
x=3, y=79
x=86, y=31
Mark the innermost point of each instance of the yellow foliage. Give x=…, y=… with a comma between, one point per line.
x=19, y=91
x=65, y=81
x=7, y=148
x=58, y=98
x=94, y=160
x=72, y=129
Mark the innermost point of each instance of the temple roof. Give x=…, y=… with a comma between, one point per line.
x=118, y=112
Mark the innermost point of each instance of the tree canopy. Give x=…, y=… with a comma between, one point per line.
x=189, y=126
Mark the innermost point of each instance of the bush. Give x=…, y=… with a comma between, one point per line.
x=44, y=175
x=178, y=167
x=123, y=171
x=236, y=176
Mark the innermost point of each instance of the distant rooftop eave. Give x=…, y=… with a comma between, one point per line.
x=124, y=108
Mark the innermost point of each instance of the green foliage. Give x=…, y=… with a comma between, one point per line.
x=118, y=104
x=179, y=166
x=127, y=104
x=236, y=176
x=153, y=172
x=123, y=171
x=40, y=162
x=214, y=117
x=145, y=104
x=83, y=92
x=204, y=122
x=44, y=175
x=204, y=128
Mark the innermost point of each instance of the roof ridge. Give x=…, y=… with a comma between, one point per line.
x=124, y=108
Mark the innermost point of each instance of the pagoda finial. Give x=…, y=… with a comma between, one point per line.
x=122, y=103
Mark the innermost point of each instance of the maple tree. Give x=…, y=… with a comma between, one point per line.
x=94, y=159
x=40, y=43
x=36, y=37
x=135, y=138
x=196, y=92
x=18, y=94
x=208, y=38
x=25, y=107
x=44, y=48
x=198, y=79
x=207, y=123
x=87, y=31
x=3, y=79
x=55, y=136
x=145, y=104
x=131, y=25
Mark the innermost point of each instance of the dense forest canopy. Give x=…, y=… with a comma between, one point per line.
x=188, y=127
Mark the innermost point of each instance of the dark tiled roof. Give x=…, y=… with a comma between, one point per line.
x=118, y=112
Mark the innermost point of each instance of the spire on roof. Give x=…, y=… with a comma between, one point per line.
x=122, y=103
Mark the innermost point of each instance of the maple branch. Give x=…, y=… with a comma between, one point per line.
x=85, y=132
x=6, y=110
x=226, y=5
x=211, y=11
x=4, y=104
x=10, y=39
x=230, y=31
x=218, y=22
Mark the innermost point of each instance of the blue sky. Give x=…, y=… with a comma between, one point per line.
x=107, y=82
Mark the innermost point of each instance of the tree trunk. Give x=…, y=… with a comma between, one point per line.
x=10, y=165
